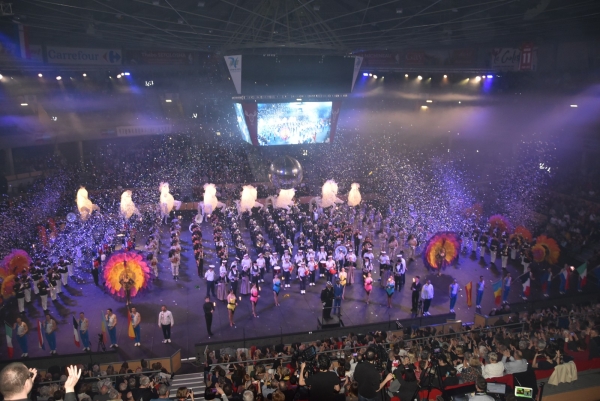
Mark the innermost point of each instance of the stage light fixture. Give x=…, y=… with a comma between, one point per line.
x=574, y=106
x=375, y=76
x=483, y=76
x=24, y=104
x=405, y=75
x=1, y=76
x=58, y=78
x=298, y=100
x=370, y=74
x=490, y=76
x=429, y=101
x=218, y=133
x=84, y=74
x=40, y=75
x=118, y=75
x=424, y=107
x=459, y=102
x=477, y=78
x=365, y=74
x=445, y=76
x=168, y=100
x=420, y=78
x=126, y=74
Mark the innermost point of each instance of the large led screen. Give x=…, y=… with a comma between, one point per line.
x=239, y=112
x=293, y=123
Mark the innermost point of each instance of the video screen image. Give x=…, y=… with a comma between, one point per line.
x=239, y=112
x=294, y=123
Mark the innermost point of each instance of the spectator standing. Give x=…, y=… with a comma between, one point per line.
x=325, y=384
x=165, y=322
x=368, y=377
x=16, y=381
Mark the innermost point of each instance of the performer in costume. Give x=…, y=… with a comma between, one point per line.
x=287, y=267
x=338, y=292
x=276, y=289
x=480, y=289
x=330, y=268
x=254, y=295
x=389, y=289
x=504, y=256
x=547, y=281
x=351, y=265
x=234, y=276
x=368, y=286
x=343, y=277
x=506, y=288
x=302, y=273
x=231, y=304
x=384, y=268
x=453, y=290
x=400, y=271
x=322, y=258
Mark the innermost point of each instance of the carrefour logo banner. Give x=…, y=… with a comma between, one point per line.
x=76, y=55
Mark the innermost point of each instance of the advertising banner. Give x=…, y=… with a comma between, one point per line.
x=83, y=56
x=159, y=57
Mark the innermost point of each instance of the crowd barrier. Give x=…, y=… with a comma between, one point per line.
x=102, y=359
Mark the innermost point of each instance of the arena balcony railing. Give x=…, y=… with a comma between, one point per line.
x=516, y=327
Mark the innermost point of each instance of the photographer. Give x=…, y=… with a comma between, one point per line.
x=368, y=377
x=183, y=393
x=324, y=384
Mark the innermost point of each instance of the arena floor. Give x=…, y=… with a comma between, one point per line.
x=186, y=296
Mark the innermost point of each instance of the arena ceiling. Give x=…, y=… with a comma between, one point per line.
x=295, y=26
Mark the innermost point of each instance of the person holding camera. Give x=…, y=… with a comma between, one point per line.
x=325, y=384
x=184, y=393
x=368, y=377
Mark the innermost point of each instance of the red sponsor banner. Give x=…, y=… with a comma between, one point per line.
x=526, y=62
x=160, y=57
x=414, y=58
x=463, y=57
x=379, y=59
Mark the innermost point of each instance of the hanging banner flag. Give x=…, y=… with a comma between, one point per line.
x=468, y=290
x=582, y=270
x=497, y=287
x=76, y=332
x=40, y=335
x=251, y=116
x=9, y=344
x=357, y=63
x=130, y=331
x=234, y=65
x=103, y=328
